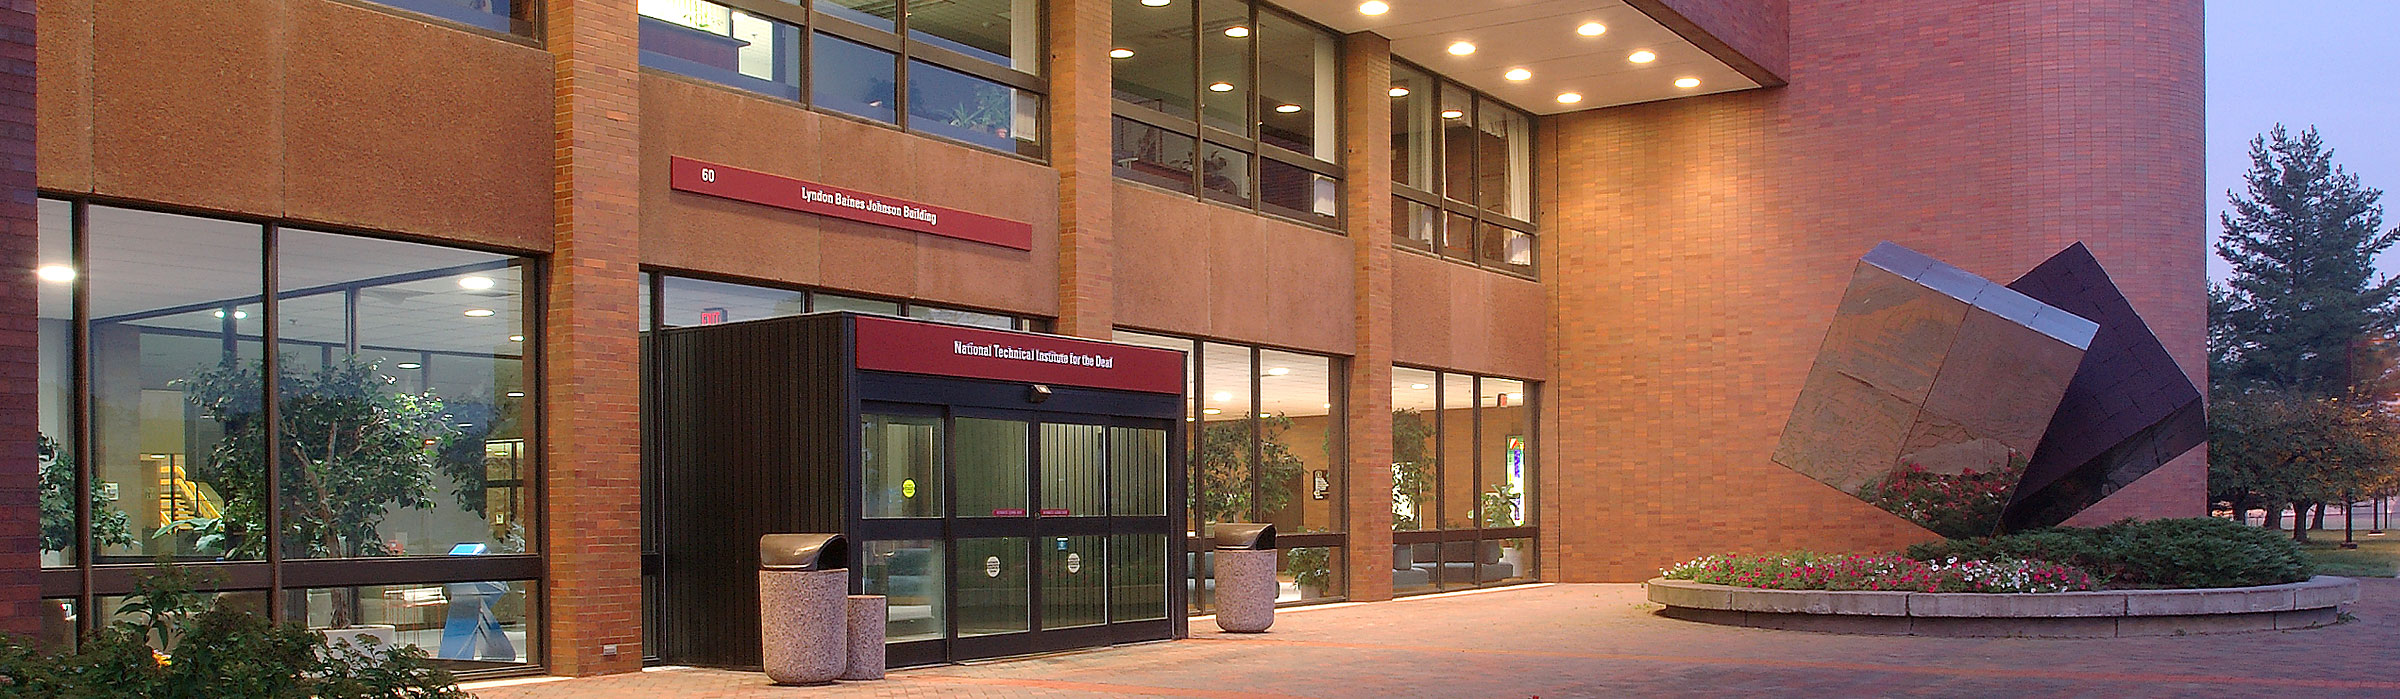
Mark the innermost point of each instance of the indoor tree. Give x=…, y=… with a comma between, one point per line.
x=1226, y=478
x=1412, y=465
x=110, y=526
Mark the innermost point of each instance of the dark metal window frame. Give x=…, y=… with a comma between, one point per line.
x=657, y=285
x=810, y=21
x=1479, y=533
x=85, y=582
x=1444, y=205
x=1255, y=150
x=526, y=25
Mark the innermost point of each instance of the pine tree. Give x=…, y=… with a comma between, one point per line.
x=2303, y=299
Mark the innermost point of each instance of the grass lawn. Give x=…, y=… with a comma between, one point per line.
x=2376, y=556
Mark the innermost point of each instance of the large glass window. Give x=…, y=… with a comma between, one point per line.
x=507, y=16
x=686, y=301
x=900, y=473
x=1462, y=173
x=1462, y=462
x=965, y=70
x=1300, y=486
x=55, y=279
x=1230, y=101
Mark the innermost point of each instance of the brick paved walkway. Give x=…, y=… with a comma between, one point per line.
x=1605, y=640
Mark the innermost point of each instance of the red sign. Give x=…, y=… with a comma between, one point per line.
x=1008, y=512
x=685, y=174
x=1054, y=512
x=893, y=344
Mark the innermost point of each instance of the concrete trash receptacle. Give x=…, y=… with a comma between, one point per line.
x=866, y=638
x=1245, y=561
x=803, y=617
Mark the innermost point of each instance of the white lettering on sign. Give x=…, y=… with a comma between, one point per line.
x=991, y=567
x=998, y=351
x=708, y=174
x=843, y=199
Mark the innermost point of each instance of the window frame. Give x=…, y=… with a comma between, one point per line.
x=1443, y=204
x=1479, y=534
x=528, y=29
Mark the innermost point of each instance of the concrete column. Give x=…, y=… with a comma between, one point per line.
x=590, y=418
x=1367, y=201
x=20, y=523
x=1081, y=100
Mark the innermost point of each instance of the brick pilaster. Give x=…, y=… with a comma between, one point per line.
x=1080, y=147
x=1367, y=200
x=592, y=430
x=20, y=518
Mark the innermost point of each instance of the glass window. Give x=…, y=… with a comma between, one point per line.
x=510, y=16
x=909, y=576
x=900, y=472
x=1298, y=440
x=175, y=323
x=1506, y=248
x=418, y=418
x=833, y=302
x=961, y=317
x=854, y=78
x=1458, y=237
x=1458, y=452
x=1225, y=172
x=1074, y=581
x=1222, y=477
x=1504, y=159
x=701, y=302
x=1310, y=574
x=54, y=332
x=1074, y=470
x=1225, y=36
x=990, y=467
x=464, y=626
x=1137, y=577
x=1414, y=151
x=705, y=40
x=1459, y=141
x=1297, y=64
x=992, y=593
x=1415, y=417
x=1137, y=471
x=1006, y=33
x=880, y=14
x=1293, y=191
x=1508, y=431
x=1413, y=224
x=961, y=107
x=1154, y=156
x=1153, y=55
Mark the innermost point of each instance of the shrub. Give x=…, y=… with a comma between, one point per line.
x=2167, y=553
x=1813, y=571
x=211, y=651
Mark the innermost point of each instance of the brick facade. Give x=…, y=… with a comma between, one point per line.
x=1702, y=245
x=20, y=516
x=1366, y=145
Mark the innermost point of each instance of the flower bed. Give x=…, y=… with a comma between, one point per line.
x=1891, y=573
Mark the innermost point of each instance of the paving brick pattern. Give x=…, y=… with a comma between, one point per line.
x=1605, y=640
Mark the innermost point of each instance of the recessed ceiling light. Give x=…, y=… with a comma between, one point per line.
x=1453, y=113
x=1210, y=411
x=1287, y=108
x=1642, y=56
x=409, y=365
x=475, y=283
x=1590, y=29
x=1237, y=31
x=466, y=424
x=1398, y=91
x=1120, y=53
x=516, y=394
x=1512, y=396
x=1220, y=87
x=1461, y=49
x=55, y=273
x=1419, y=386
x=1278, y=371
x=158, y=456
x=1373, y=7
x=237, y=315
x=1222, y=396
x=1266, y=415
x=1519, y=74
x=1156, y=3
x=1687, y=82
x=516, y=338
x=479, y=313
x=1569, y=97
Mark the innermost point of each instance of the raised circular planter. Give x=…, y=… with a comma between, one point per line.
x=2108, y=613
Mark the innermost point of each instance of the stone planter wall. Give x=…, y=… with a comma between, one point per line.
x=2316, y=602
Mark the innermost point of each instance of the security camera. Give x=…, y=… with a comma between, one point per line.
x=1038, y=394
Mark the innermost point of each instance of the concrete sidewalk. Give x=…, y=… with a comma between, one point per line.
x=1606, y=640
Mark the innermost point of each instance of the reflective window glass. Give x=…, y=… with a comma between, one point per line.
x=1415, y=417
x=1004, y=32
x=464, y=626
x=1504, y=159
x=1225, y=88
x=1154, y=156
x=1506, y=248
x=1458, y=237
x=1074, y=581
x=1074, y=470
x=1458, y=452
x=1293, y=191
x=54, y=275
x=879, y=14
x=820, y=303
x=1457, y=113
x=993, y=596
x=1413, y=224
x=962, y=107
x=1222, y=477
x=1152, y=62
x=1225, y=172
x=854, y=78
x=1414, y=126
x=961, y=317
x=909, y=576
x=1297, y=66
x=1137, y=460
x=701, y=302
x=900, y=470
x=1298, y=440
x=720, y=44
x=1309, y=574
x=510, y=16
x=1508, y=431
x=990, y=464
x=1137, y=577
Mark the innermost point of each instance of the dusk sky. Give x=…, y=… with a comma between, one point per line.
x=2330, y=63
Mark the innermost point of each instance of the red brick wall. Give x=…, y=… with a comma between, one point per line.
x=1703, y=243
x=1755, y=29
x=20, y=523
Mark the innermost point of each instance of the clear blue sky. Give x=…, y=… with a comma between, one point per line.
x=2331, y=63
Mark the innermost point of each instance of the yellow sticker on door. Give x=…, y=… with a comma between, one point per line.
x=908, y=487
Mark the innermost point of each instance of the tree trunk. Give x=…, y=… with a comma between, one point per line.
x=2274, y=516
x=2300, y=521
x=2318, y=522
x=2241, y=508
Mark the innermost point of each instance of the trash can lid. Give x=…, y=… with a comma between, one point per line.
x=1245, y=536
x=803, y=552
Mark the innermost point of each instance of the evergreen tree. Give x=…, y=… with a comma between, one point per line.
x=2303, y=299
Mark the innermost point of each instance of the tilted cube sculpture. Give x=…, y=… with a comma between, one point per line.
x=1932, y=386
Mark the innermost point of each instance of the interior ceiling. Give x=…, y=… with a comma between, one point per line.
x=1540, y=36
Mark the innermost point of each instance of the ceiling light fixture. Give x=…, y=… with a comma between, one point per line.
x=516, y=338
x=1398, y=91
x=1266, y=415
x=60, y=274
x=1519, y=74
x=1237, y=31
x=1687, y=82
x=1120, y=53
x=1373, y=7
x=409, y=365
x=1419, y=386
x=474, y=283
x=1222, y=396
x=516, y=394
x=1210, y=411
x=158, y=456
x=1287, y=108
x=1642, y=56
x=1278, y=371
x=1155, y=3
x=479, y=313
x=237, y=315
x=1220, y=87
x=1462, y=49
x=1591, y=29
x=1569, y=97
x=1453, y=113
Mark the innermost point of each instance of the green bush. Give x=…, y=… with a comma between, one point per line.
x=2161, y=553
x=211, y=651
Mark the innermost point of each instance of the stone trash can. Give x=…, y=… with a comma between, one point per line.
x=803, y=620
x=866, y=638
x=1245, y=577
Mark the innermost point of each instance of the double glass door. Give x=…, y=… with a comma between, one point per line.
x=1002, y=532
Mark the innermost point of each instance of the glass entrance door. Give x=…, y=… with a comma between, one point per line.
x=1047, y=531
